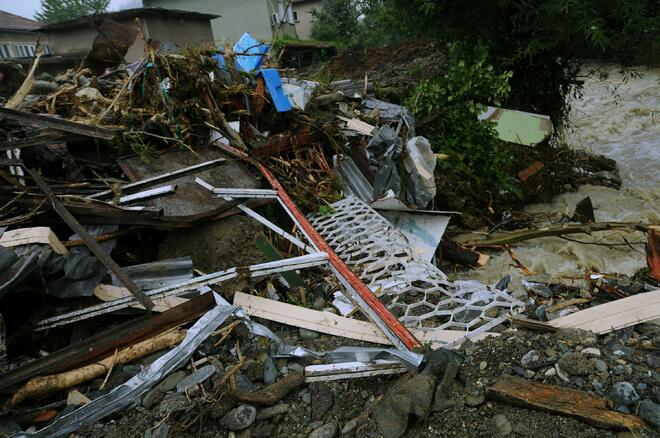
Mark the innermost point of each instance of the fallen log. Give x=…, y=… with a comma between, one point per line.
x=563, y=401
x=272, y=393
x=555, y=230
x=454, y=252
x=43, y=385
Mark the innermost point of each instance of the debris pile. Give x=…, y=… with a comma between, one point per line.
x=196, y=243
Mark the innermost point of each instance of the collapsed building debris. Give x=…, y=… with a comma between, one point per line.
x=338, y=194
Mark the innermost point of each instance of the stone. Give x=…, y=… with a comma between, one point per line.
x=173, y=402
x=43, y=87
x=272, y=411
x=152, y=397
x=328, y=430
x=169, y=383
x=270, y=371
x=319, y=303
x=199, y=376
x=483, y=365
x=350, y=426
x=243, y=383
x=475, y=400
x=321, y=400
x=263, y=430
x=576, y=336
x=653, y=361
x=591, y=352
x=550, y=372
x=502, y=425
x=650, y=412
x=530, y=358
x=254, y=370
x=296, y=368
x=623, y=393
x=306, y=398
x=575, y=364
x=240, y=418
x=308, y=335
x=600, y=365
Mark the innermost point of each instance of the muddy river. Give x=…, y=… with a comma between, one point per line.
x=620, y=119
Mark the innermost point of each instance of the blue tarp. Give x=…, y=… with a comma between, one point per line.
x=274, y=86
x=249, y=53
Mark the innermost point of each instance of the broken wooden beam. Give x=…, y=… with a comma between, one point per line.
x=454, y=252
x=332, y=324
x=26, y=236
x=563, y=401
x=555, y=230
x=50, y=122
x=614, y=315
x=102, y=344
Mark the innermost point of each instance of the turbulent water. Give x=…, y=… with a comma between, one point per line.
x=620, y=119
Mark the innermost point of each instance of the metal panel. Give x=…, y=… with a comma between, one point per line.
x=415, y=290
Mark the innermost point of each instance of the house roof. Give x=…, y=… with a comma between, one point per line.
x=16, y=22
x=128, y=13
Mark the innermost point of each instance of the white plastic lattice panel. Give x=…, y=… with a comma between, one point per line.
x=415, y=290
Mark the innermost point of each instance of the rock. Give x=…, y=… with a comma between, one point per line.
x=263, y=430
x=319, y=303
x=173, y=402
x=350, y=426
x=328, y=430
x=272, y=411
x=308, y=335
x=152, y=397
x=575, y=364
x=575, y=336
x=623, y=393
x=551, y=372
x=170, y=382
x=195, y=378
x=243, y=383
x=502, y=425
x=322, y=400
x=296, y=368
x=254, y=370
x=483, y=365
x=591, y=352
x=650, y=412
x=306, y=398
x=530, y=358
x=270, y=371
x=653, y=361
x=475, y=400
x=240, y=418
x=43, y=87
x=600, y=365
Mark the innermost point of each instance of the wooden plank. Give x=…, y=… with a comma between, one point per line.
x=564, y=401
x=108, y=292
x=331, y=324
x=614, y=315
x=358, y=125
x=26, y=236
x=44, y=121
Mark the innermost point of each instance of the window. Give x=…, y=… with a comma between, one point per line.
x=25, y=50
x=295, y=17
x=5, y=52
x=273, y=18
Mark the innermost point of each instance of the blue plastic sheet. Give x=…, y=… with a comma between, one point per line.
x=274, y=86
x=249, y=53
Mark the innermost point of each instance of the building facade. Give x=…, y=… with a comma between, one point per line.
x=18, y=36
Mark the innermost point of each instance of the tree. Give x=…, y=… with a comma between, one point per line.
x=337, y=21
x=56, y=11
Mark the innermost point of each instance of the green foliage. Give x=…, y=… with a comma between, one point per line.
x=337, y=21
x=449, y=107
x=55, y=11
x=543, y=42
